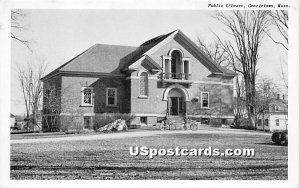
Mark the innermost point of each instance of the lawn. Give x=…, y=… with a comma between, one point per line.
x=110, y=159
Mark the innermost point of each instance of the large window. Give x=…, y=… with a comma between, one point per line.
x=175, y=64
x=111, y=96
x=144, y=84
x=205, y=99
x=87, y=96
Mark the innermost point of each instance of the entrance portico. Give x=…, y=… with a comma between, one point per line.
x=176, y=95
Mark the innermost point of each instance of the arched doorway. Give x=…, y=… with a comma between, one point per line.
x=176, y=102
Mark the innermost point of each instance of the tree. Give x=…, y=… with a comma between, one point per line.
x=54, y=104
x=51, y=107
x=279, y=20
x=284, y=77
x=17, y=17
x=215, y=51
x=248, y=29
x=266, y=89
x=220, y=53
x=30, y=80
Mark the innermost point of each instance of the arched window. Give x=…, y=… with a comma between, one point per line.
x=144, y=84
x=175, y=64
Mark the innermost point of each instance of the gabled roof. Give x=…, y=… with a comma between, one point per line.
x=150, y=61
x=100, y=58
x=151, y=45
x=12, y=116
x=114, y=59
x=143, y=48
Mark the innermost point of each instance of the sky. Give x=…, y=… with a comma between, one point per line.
x=59, y=35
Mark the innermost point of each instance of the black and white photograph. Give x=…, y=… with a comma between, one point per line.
x=198, y=91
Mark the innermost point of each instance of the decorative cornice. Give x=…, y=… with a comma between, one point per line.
x=82, y=74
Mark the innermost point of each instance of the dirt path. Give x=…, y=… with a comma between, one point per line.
x=136, y=133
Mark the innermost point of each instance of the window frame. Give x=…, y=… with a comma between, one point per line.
x=277, y=122
x=202, y=100
x=144, y=117
x=146, y=85
x=115, y=98
x=82, y=96
x=266, y=122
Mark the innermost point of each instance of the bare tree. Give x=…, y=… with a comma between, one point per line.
x=279, y=19
x=221, y=53
x=51, y=106
x=283, y=76
x=31, y=85
x=215, y=51
x=266, y=90
x=17, y=18
x=248, y=29
x=54, y=104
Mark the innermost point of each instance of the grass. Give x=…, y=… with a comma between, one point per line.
x=110, y=159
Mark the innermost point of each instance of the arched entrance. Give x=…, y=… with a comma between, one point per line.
x=176, y=102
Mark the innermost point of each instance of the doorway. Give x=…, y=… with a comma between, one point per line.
x=176, y=106
x=176, y=102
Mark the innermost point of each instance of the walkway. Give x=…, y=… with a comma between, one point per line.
x=136, y=133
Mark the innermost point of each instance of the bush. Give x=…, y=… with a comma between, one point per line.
x=72, y=124
x=101, y=120
x=242, y=123
x=280, y=138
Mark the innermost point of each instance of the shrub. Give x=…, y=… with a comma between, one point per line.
x=72, y=124
x=276, y=137
x=242, y=123
x=284, y=138
x=280, y=138
x=101, y=120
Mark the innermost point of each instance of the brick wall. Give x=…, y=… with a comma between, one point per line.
x=128, y=96
x=220, y=89
x=220, y=100
x=72, y=95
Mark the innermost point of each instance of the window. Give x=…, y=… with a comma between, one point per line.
x=283, y=97
x=143, y=120
x=259, y=122
x=277, y=122
x=175, y=64
x=224, y=122
x=111, y=96
x=144, y=84
x=276, y=108
x=204, y=99
x=87, y=96
x=205, y=121
x=87, y=122
x=266, y=122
